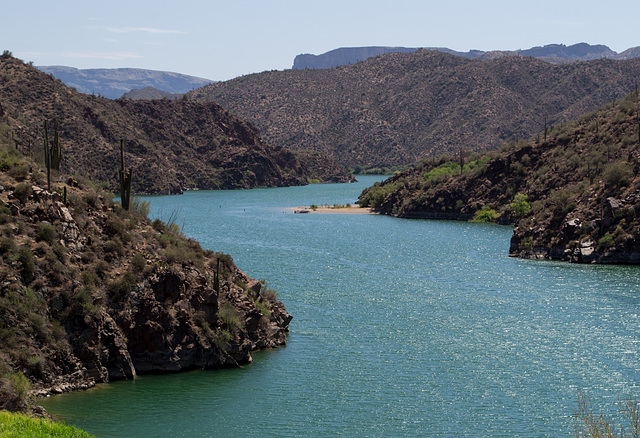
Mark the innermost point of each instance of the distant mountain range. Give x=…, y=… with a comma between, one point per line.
x=553, y=53
x=114, y=82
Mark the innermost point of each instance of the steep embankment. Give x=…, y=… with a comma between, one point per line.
x=90, y=292
x=398, y=108
x=574, y=195
x=171, y=145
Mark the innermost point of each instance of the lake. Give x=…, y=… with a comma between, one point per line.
x=401, y=328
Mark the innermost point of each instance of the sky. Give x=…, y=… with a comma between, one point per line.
x=220, y=40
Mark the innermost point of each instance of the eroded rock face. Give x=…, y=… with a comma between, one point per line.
x=111, y=295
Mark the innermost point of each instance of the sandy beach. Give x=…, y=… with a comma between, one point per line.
x=331, y=210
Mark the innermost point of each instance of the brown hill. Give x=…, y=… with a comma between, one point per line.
x=574, y=195
x=90, y=292
x=171, y=145
x=149, y=93
x=400, y=107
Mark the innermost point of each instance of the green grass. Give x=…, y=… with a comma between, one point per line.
x=19, y=425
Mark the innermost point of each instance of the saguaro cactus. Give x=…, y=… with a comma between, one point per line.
x=52, y=151
x=216, y=278
x=125, y=180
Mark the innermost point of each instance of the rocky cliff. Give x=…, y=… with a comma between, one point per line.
x=91, y=293
x=573, y=191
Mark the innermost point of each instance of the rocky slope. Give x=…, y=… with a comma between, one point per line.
x=573, y=193
x=170, y=145
x=114, y=82
x=92, y=293
x=400, y=107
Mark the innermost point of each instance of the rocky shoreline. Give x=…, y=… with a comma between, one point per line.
x=91, y=293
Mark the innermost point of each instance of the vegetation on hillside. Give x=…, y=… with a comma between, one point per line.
x=398, y=108
x=574, y=191
x=171, y=145
x=91, y=292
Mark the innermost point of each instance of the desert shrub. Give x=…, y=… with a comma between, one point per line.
x=9, y=158
x=158, y=225
x=138, y=206
x=138, y=263
x=181, y=253
x=268, y=294
x=122, y=286
x=605, y=242
x=485, y=214
x=376, y=194
x=230, y=316
x=19, y=172
x=591, y=425
x=14, y=392
x=443, y=171
x=46, y=232
x=520, y=205
x=617, y=174
x=7, y=245
x=27, y=263
x=89, y=278
x=22, y=192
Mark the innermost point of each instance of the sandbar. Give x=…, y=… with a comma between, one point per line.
x=331, y=210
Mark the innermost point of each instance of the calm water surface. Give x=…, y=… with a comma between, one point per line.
x=401, y=328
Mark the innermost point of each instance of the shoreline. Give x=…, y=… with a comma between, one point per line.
x=332, y=210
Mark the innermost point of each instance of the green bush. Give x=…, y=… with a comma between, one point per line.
x=443, y=171
x=46, y=232
x=22, y=192
x=617, y=174
x=122, y=286
x=605, y=242
x=230, y=316
x=520, y=205
x=14, y=392
x=485, y=214
x=27, y=263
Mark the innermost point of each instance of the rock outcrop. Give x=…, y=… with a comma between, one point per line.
x=92, y=293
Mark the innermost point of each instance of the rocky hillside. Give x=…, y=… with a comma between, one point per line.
x=400, y=107
x=170, y=145
x=114, y=82
x=91, y=293
x=149, y=93
x=573, y=193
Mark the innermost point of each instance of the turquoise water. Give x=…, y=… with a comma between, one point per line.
x=401, y=328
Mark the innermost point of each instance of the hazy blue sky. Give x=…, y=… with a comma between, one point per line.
x=221, y=40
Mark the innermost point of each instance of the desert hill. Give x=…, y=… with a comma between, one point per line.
x=400, y=107
x=574, y=192
x=170, y=145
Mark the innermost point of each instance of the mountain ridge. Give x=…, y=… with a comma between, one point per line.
x=114, y=82
x=395, y=109
x=171, y=146
x=553, y=53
